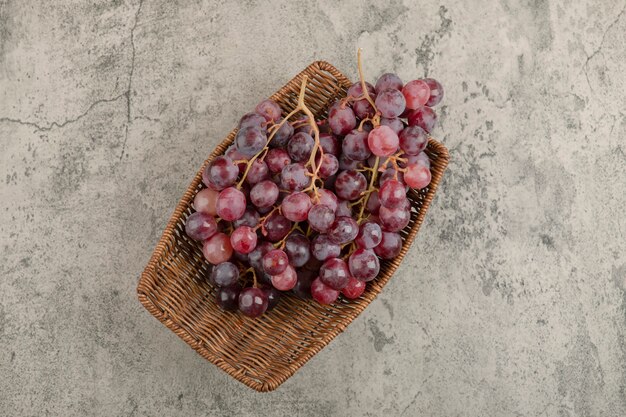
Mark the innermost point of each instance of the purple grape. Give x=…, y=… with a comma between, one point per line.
x=335, y=273
x=277, y=159
x=220, y=173
x=387, y=81
x=225, y=274
x=355, y=146
x=258, y=172
x=413, y=140
x=269, y=109
x=253, y=120
x=370, y=235
x=300, y=146
x=373, y=203
x=390, y=103
x=250, y=218
x=252, y=302
x=273, y=296
x=350, y=184
x=303, y=286
x=294, y=177
x=298, y=249
x=264, y=194
x=436, y=92
x=392, y=194
x=424, y=117
x=277, y=227
x=389, y=246
x=322, y=248
x=200, y=226
x=343, y=230
x=321, y=217
x=363, y=109
x=341, y=119
x=328, y=198
x=329, y=166
x=296, y=206
x=329, y=144
x=282, y=135
x=275, y=261
x=255, y=258
x=364, y=264
x=343, y=209
x=394, y=219
x=231, y=204
x=394, y=123
x=356, y=91
x=227, y=298
x=250, y=141
x=346, y=163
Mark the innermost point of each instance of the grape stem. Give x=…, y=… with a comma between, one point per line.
x=366, y=197
x=281, y=243
x=366, y=94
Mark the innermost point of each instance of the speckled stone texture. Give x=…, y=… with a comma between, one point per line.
x=511, y=301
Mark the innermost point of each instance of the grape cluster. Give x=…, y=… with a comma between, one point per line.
x=311, y=207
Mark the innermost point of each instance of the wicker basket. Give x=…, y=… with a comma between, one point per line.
x=262, y=353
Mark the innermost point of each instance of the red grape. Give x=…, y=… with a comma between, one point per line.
x=383, y=141
x=275, y=261
x=296, y=206
x=276, y=159
x=253, y=120
x=364, y=264
x=355, y=146
x=231, y=204
x=220, y=173
x=264, y=194
x=329, y=166
x=322, y=248
x=282, y=135
x=354, y=289
x=389, y=246
x=413, y=140
x=277, y=227
x=394, y=219
x=387, y=81
x=417, y=176
x=255, y=258
x=350, y=184
x=250, y=218
x=269, y=109
x=243, y=239
x=235, y=155
x=373, y=203
x=343, y=230
x=356, y=91
x=258, y=172
x=343, y=208
x=200, y=226
x=294, y=177
x=252, y=302
x=285, y=280
x=363, y=108
x=341, y=119
x=250, y=141
x=394, y=123
x=390, y=174
x=346, y=163
x=436, y=92
x=217, y=248
x=300, y=146
x=370, y=235
x=205, y=201
x=297, y=248
x=390, y=103
x=329, y=144
x=416, y=93
x=424, y=117
x=320, y=218
x=327, y=198
x=392, y=194
x=335, y=273
x=322, y=293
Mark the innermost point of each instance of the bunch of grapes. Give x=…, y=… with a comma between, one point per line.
x=310, y=207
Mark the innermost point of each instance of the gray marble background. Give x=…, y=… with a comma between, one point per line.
x=512, y=301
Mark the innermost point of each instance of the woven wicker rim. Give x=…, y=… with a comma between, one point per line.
x=254, y=372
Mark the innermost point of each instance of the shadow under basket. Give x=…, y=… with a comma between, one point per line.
x=263, y=352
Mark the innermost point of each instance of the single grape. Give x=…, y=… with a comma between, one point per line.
x=329, y=165
x=322, y=293
x=417, y=176
x=205, y=201
x=354, y=289
x=320, y=218
x=300, y=146
x=363, y=109
x=269, y=109
x=322, y=248
x=231, y=204
x=390, y=103
x=286, y=280
x=250, y=141
x=255, y=258
x=343, y=230
x=343, y=209
x=370, y=235
x=436, y=92
x=383, y=141
x=253, y=302
x=329, y=144
x=394, y=123
x=276, y=159
x=302, y=288
x=273, y=296
x=277, y=227
x=250, y=218
x=387, y=81
x=390, y=174
x=341, y=119
x=413, y=140
x=224, y=274
x=220, y=173
x=275, y=261
x=389, y=246
x=243, y=239
x=335, y=273
x=217, y=248
x=424, y=117
x=264, y=194
x=373, y=203
x=416, y=93
x=392, y=194
x=297, y=248
x=394, y=219
x=419, y=159
x=350, y=184
x=364, y=264
x=356, y=91
x=327, y=198
x=296, y=206
x=253, y=120
x=200, y=226
x=355, y=146
x=294, y=177
x=258, y=172
x=282, y=135
x=227, y=298
x=235, y=155
x=346, y=163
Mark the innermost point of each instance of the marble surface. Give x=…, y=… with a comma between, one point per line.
x=512, y=301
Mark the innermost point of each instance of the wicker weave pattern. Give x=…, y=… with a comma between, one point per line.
x=262, y=353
